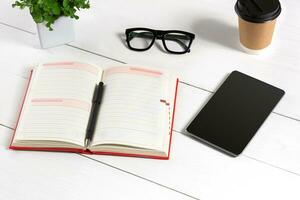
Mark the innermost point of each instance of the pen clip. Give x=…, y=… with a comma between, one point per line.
x=97, y=93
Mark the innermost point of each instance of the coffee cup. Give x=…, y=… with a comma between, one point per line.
x=257, y=19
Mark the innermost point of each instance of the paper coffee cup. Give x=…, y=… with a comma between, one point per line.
x=257, y=21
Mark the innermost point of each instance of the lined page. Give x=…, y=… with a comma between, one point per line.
x=58, y=105
x=69, y=80
x=131, y=112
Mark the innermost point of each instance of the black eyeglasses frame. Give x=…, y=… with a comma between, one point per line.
x=160, y=35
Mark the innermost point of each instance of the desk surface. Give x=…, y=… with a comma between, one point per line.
x=268, y=168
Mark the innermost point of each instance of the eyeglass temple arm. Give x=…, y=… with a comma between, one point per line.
x=148, y=35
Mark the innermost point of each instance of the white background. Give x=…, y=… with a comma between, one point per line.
x=269, y=168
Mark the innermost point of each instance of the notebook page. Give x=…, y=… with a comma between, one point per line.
x=131, y=112
x=58, y=104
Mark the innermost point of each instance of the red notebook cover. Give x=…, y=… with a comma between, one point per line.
x=75, y=150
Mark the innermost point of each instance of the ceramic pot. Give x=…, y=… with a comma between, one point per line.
x=62, y=33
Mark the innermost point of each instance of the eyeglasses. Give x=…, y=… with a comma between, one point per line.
x=174, y=41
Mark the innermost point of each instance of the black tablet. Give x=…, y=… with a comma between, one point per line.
x=235, y=112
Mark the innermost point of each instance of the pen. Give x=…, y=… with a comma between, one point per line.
x=97, y=98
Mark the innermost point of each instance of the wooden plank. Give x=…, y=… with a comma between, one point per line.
x=20, y=50
x=16, y=17
x=12, y=89
x=185, y=109
x=207, y=174
x=36, y=175
x=271, y=145
x=276, y=142
x=215, y=168
x=215, y=51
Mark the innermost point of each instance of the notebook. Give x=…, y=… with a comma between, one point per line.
x=135, y=117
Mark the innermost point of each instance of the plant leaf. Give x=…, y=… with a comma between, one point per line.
x=49, y=10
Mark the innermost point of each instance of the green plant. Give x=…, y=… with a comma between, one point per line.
x=50, y=10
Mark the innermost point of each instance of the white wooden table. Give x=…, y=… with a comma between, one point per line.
x=269, y=168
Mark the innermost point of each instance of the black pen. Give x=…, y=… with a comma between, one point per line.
x=98, y=93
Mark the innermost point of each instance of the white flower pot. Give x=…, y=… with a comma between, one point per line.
x=62, y=33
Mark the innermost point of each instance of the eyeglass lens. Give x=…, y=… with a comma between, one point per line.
x=140, y=39
x=177, y=42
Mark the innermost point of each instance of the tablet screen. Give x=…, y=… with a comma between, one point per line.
x=235, y=112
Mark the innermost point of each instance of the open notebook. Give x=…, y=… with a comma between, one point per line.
x=135, y=117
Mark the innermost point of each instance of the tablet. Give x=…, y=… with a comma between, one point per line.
x=234, y=113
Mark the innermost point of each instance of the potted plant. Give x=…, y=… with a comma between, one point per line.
x=54, y=19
